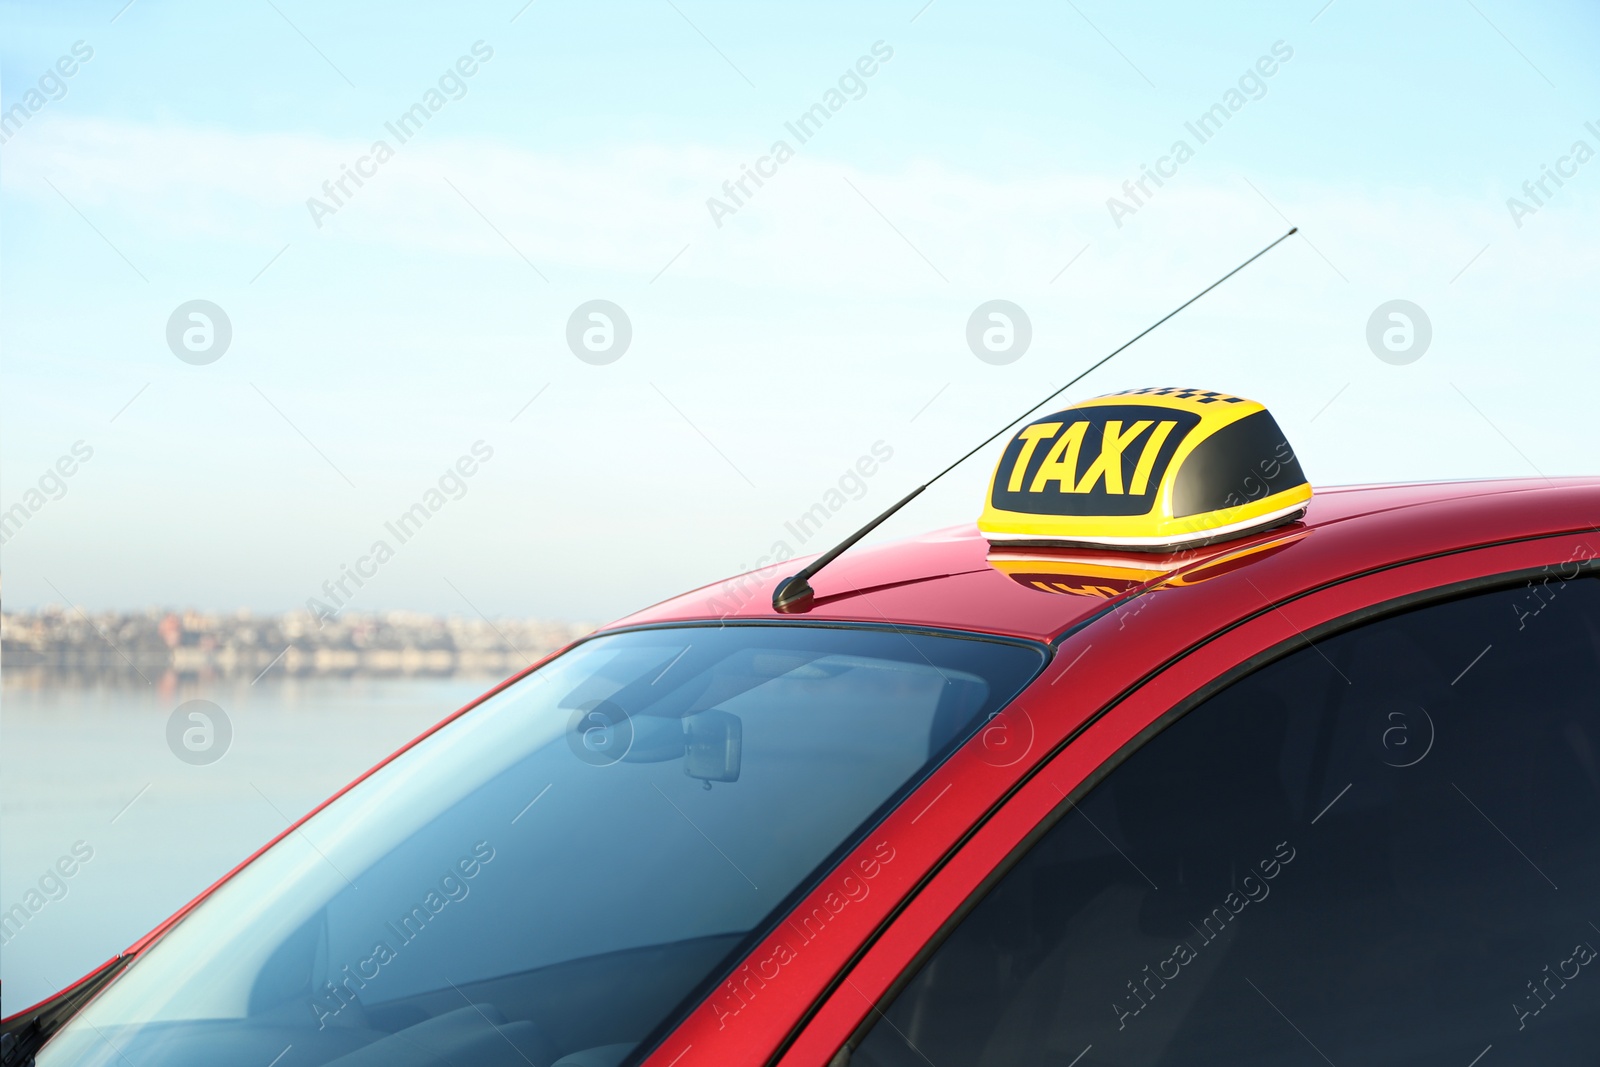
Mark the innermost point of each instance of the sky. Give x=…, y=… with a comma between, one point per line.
x=385, y=339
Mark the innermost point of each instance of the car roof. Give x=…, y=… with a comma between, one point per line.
x=944, y=579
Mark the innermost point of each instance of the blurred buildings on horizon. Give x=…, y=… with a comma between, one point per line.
x=55, y=644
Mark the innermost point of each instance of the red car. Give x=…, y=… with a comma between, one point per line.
x=1324, y=790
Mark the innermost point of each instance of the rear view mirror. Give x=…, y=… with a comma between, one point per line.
x=713, y=746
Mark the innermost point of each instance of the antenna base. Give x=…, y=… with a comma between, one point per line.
x=793, y=594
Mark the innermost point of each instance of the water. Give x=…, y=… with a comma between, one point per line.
x=87, y=766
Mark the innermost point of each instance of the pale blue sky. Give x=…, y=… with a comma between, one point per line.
x=771, y=352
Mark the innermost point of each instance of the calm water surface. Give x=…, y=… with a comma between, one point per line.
x=88, y=766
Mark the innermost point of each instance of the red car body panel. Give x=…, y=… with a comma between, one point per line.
x=882, y=903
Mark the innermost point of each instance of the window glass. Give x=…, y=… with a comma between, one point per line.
x=1380, y=849
x=554, y=873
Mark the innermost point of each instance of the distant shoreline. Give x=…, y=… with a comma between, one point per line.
x=136, y=647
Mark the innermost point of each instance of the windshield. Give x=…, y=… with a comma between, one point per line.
x=563, y=869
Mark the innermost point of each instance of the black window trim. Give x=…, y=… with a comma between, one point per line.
x=1047, y=648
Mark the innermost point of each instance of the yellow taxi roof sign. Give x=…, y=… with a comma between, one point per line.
x=1150, y=470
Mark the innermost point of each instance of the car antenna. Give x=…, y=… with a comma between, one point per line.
x=794, y=592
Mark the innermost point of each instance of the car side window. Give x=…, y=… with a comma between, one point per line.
x=1383, y=848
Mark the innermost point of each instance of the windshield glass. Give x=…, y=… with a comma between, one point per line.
x=563, y=869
